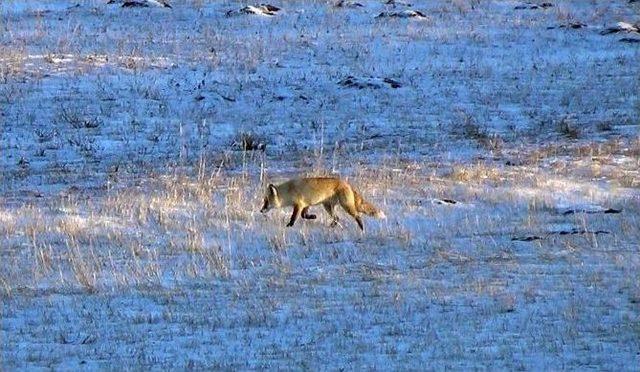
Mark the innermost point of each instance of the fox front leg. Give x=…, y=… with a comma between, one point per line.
x=294, y=215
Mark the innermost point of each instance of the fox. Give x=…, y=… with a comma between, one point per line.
x=302, y=193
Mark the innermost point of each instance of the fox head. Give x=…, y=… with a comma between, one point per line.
x=271, y=199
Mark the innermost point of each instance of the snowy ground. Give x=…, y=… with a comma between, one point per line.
x=129, y=232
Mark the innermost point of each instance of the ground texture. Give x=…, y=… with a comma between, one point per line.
x=499, y=137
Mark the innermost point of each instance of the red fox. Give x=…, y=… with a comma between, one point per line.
x=301, y=193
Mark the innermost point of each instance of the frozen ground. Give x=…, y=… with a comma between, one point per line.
x=129, y=232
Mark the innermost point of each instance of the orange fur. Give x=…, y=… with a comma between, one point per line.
x=301, y=193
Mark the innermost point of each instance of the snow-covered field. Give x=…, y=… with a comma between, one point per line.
x=500, y=138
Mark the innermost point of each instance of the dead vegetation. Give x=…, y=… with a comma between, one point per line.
x=134, y=159
x=209, y=221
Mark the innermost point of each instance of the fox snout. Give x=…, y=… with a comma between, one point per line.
x=265, y=206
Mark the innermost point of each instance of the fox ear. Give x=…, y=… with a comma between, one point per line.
x=272, y=190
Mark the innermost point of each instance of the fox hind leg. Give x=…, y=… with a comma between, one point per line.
x=347, y=202
x=358, y=220
x=305, y=214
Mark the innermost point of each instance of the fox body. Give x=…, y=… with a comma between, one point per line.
x=301, y=193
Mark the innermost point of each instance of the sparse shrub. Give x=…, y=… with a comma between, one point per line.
x=475, y=173
x=77, y=119
x=471, y=129
x=568, y=127
x=492, y=142
x=132, y=62
x=604, y=126
x=49, y=58
x=195, y=241
x=45, y=135
x=464, y=6
x=84, y=144
x=85, y=272
x=249, y=142
x=217, y=263
x=277, y=242
x=506, y=303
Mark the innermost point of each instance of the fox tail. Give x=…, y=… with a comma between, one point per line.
x=367, y=208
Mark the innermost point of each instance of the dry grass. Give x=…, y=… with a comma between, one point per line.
x=138, y=213
x=207, y=224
